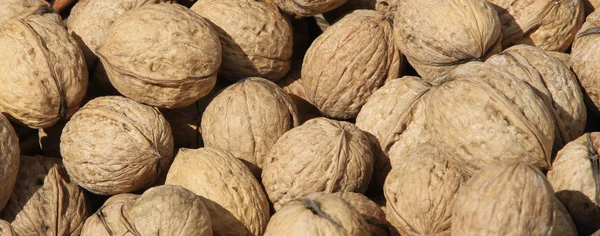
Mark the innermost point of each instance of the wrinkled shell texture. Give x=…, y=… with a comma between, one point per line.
x=305, y=8
x=6, y=229
x=10, y=9
x=370, y=211
x=573, y=181
x=9, y=160
x=256, y=38
x=91, y=31
x=483, y=114
x=48, y=76
x=167, y=210
x=234, y=198
x=437, y=35
x=320, y=155
x=111, y=166
x=349, y=61
x=585, y=59
x=553, y=82
x=108, y=219
x=549, y=25
x=57, y=208
x=247, y=118
x=421, y=192
x=395, y=116
x=565, y=58
x=512, y=199
x=32, y=172
x=295, y=87
x=317, y=214
x=161, y=54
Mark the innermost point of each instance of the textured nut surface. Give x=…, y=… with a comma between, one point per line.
x=513, y=199
x=295, y=87
x=256, y=38
x=304, y=8
x=9, y=160
x=421, y=191
x=163, y=55
x=483, y=114
x=10, y=9
x=167, y=210
x=585, y=59
x=57, y=208
x=6, y=229
x=370, y=211
x=573, y=181
x=438, y=35
x=234, y=198
x=31, y=175
x=317, y=214
x=349, y=61
x=48, y=76
x=91, y=31
x=108, y=219
x=97, y=142
x=550, y=25
x=320, y=155
x=565, y=58
x=553, y=82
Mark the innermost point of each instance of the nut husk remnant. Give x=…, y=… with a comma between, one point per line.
x=48, y=75
x=247, y=118
x=233, y=197
x=585, y=59
x=162, y=55
x=256, y=38
x=349, y=61
x=317, y=214
x=549, y=25
x=438, y=35
x=512, y=199
x=96, y=146
x=320, y=155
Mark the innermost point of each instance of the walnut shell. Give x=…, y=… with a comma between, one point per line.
x=247, y=118
x=9, y=160
x=549, y=25
x=370, y=211
x=166, y=210
x=305, y=8
x=256, y=38
x=574, y=182
x=320, y=155
x=509, y=199
x=96, y=146
x=565, y=58
x=585, y=59
x=234, y=198
x=482, y=114
x=6, y=229
x=421, y=191
x=162, y=55
x=349, y=61
x=295, y=87
x=108, y=218
x=317, y=214
x=11, y=9
x=553, y=82
x=90, y=32
x=33, y=170
x=438, y=35
x=57, y=208
x=51, y=78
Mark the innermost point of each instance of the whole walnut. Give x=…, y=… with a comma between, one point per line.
x=16, y=9
x=108, y=218
x=509, y=199
x=90, y=32
x=256, y=38
x=585, y=59
x=233, y=197
x=421, y=191
x=317, y=214
x=320, y=155
x=553, y=82
x=370, y=211
x=305, y=8
x=96, y=146
x=574, y=177
x=48, y=76
x=438, y=35
x=549, y=25
x=162, y=55
x=349, y=61
x=247, y=118
x=57, y=208
x=9, y=160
